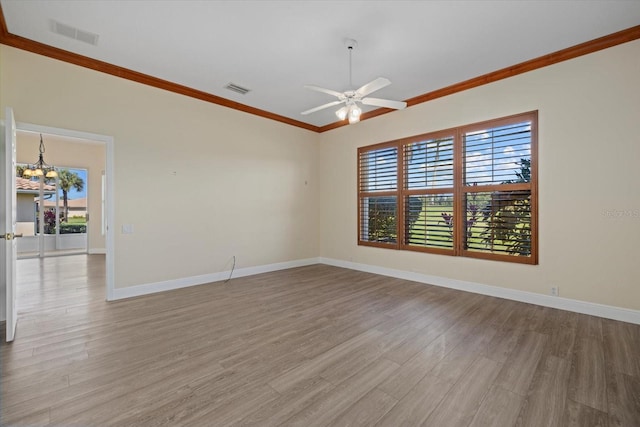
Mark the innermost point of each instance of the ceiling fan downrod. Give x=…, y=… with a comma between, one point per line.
x=351, y=44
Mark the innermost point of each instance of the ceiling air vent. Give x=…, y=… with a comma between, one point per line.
x=238, y=89
x=74, y=33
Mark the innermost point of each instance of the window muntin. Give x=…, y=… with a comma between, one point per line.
x=470, y=191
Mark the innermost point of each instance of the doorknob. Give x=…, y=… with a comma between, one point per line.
x=10, y=236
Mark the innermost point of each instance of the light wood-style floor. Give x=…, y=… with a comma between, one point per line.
x=312, y=346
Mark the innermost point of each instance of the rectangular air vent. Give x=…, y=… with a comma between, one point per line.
x=238, y=89
x=74, y=33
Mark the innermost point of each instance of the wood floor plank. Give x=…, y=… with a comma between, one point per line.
x=313, y=367
x=561, y=328
x=545, y=403
x=587, y=380
x=500, y=407
x=622, y=347
x=624, y=400
x=579, y=415
x=527, y=317
x=325, y=411
x=366, y=411
x=103, y=395
x=273, y=414
x=408, y=348
x=589, y=327
x=22, y=391
x=417, y=404
x=461, y=404
x=314, y=345
x=350, y=363
x=461, y=357
x=200, y=395
x=409, y=374
x=32, y=419
x=232, y=410
x=503, y=343
x=519, y=368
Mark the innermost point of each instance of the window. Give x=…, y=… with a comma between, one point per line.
x=378, y=195
x=468, y=191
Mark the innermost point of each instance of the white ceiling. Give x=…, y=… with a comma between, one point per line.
x=274, y=48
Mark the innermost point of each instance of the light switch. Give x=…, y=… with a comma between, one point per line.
x=127, y=228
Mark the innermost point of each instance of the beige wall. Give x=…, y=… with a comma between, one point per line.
x=248, y=183
x=589, y=122
x=25, y=209
x=68, y=153
x=268, y=192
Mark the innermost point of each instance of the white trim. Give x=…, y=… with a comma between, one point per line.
x=151, y=288
x=68, y=133
x=594, y=309
x=108, y=142
x=97, y=251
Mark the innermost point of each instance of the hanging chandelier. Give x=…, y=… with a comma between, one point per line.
x=40, y=168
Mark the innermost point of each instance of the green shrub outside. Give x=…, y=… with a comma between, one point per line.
x=67, y=228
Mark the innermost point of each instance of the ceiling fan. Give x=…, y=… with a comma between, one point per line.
x=351, y=98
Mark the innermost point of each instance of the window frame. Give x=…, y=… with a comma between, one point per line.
x=391, y=193
x=406, y=192
x=459, y=190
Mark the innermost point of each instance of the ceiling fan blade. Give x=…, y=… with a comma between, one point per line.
x=322, y=107
x=373, y=86
x=323, y=90
x=387, y=103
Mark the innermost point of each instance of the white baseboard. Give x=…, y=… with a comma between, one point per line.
x=97, y=251
x=151, y=288
x=594, y=309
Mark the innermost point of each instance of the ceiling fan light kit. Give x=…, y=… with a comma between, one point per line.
x=351, y=98
x=354, y=114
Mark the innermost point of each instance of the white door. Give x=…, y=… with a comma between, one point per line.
x=8, y=221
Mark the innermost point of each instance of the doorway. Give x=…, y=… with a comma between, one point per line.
x=78, y=152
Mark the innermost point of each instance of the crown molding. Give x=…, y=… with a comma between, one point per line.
x=586, y=48
x=591, y=46
x=22, y=43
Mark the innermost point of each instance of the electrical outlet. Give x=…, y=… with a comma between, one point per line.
x=555, y=291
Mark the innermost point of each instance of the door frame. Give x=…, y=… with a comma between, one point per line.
x=109, y=219
x=8, y=247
